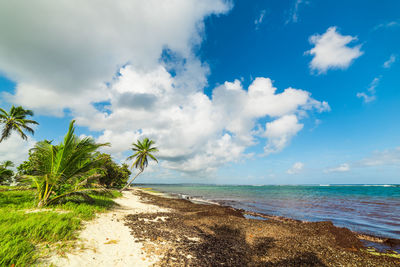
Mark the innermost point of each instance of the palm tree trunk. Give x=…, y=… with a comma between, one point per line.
x=128, y=184
x=40, y=204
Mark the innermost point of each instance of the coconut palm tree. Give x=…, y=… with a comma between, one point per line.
x=5, y=172
x=6, y=164
x=143, y=150
x=65, y=169
x=15, y=120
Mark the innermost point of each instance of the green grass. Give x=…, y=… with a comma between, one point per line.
x=149, y=189
x=24, y=229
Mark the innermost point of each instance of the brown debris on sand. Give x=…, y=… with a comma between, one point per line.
x=212, y=235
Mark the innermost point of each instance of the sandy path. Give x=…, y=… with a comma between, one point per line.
x=108, y=241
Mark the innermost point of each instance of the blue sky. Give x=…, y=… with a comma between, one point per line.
x=131, y=70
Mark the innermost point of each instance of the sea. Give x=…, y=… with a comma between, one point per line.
x=368, y=209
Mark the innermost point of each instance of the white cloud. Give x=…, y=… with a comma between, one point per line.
x=260, y=19
x=61, y=53
x=345, y=167
x=369, y=96
x=392, y=23
x=331, y=51
x=379, y=158
x=296, y=168
x=15, y=149
x=388, y=157
x=71, y=63
x=388, y=63
x=280, y=131
x=121, y=141
x=389, y=24
x=317, y=123
x=196, y=133
x=294, y=12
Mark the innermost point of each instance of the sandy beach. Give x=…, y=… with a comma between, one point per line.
x=151, y=230
x=106, y=241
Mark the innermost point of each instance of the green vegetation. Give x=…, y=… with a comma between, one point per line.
x=26, y=167
x=15, y=120
x=66, y=169
x=69, y=179
x=143, y=151
x=112, y=174
x=5, y=173
x=27, y=233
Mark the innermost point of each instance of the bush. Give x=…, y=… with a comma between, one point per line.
x=113, y=175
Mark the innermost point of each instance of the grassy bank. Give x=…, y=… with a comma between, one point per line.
x=26, y=233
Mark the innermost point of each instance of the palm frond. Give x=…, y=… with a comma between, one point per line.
x=79, y=192
x=6, y=132
x=66, y=168
x=7, y=163
x=142, y=153
x=29, y=129
x=154, y=158
x=14, y=120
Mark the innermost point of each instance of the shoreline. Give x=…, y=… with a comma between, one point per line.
x=152, y=229
x=378, y=242
x=276, y=241
x=379, y=239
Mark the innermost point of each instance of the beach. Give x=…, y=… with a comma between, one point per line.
x=152, y=229
x=199, y=133
x=368, y=209
x=106, y=241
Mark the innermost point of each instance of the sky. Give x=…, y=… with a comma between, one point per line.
x=233, y=92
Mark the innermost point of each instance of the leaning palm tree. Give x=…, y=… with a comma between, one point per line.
x=66, y=169
x=15, y=120
x=143, y=150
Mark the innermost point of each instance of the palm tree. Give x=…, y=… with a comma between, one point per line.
x=65, y=169
x=5, y=172
x=6, y=164
x=15, y=120
x=142, y=151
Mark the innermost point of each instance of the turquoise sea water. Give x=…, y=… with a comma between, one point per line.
x=370, y=209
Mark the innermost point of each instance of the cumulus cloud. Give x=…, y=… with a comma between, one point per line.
x=345, y=167
x=15, y=149
x=127, y=69
x=119, y=140
x=331, y=51
x=388, y=63
x=62, y=53
x=196, y=133
x=369, y=96
x=296, y=168
x=280, y=131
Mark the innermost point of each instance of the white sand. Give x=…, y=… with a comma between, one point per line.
x=121, y=250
